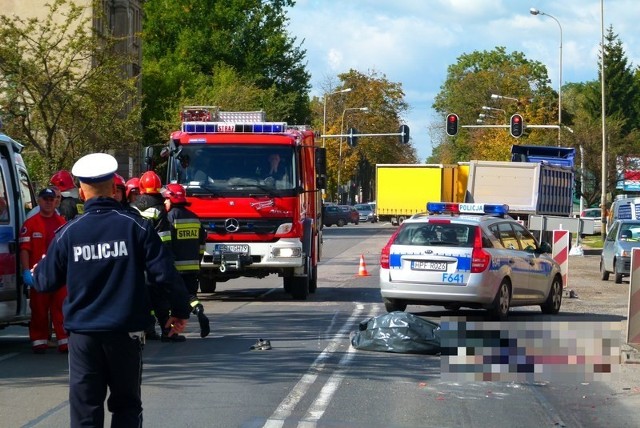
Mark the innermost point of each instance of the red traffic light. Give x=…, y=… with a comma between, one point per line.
x=517, y=126
x=452, y=124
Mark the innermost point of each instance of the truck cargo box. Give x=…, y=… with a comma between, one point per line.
x=404, y=189
x=528, y=188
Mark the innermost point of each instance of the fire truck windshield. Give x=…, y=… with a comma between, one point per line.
x=235, y=169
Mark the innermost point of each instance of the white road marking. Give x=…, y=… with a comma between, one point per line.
x=319, y=406
x=285, y=408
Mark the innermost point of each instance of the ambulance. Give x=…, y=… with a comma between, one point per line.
x=16, y=199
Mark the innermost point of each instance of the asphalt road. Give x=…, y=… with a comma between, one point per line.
x=313, y=377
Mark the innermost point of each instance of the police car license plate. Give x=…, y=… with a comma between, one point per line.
x=420, y=265
x=233, y=248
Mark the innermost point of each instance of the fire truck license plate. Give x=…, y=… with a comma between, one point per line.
x=419, y=265
x=233, y=248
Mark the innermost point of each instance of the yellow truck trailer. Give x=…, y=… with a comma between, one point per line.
x=403, y=190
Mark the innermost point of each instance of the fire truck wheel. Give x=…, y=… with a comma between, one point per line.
x=300, y=289
x=287, y=282
x=313, y=282
x=207, y=285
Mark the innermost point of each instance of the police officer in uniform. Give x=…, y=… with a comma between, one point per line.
x=104, y=256
x=187, y=239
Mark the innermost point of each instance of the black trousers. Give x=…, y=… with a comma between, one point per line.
x=98, y=361
x=190, y=280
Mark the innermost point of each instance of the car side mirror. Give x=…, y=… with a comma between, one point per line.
x=545, y=248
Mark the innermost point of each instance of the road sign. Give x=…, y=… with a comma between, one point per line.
x=560, y=252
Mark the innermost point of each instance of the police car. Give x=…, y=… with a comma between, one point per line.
x=468, y=255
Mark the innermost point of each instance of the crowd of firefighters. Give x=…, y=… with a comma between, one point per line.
x=165, y=207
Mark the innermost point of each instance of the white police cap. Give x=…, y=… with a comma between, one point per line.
x=95, y=167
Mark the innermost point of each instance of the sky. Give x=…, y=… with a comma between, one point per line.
x=413, y=42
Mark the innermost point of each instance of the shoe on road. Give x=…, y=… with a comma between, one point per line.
x=205, y=328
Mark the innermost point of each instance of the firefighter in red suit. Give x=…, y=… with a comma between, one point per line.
x=35, y=236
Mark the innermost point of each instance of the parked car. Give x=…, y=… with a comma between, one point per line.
x=473, y=260
x=354, y=216
x=366, y=213
x=335, y=214
x=596, y=215
x=622, y=237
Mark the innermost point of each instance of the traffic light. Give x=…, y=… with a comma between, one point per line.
x=517, y=126
x=404, y=134
x=452, y=124
x=352, y=139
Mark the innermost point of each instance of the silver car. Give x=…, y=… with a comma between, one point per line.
x=616, y=252
x=458, y=255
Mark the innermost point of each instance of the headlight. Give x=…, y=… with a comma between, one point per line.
x=286, y=252
x=284, y=228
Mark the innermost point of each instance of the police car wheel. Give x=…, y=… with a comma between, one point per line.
x=287, y=282
x=500, y=308
x=554, y=299
x=393, y=305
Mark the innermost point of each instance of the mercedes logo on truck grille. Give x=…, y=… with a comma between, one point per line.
x=231, y=225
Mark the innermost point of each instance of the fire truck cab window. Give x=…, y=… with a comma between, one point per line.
x=236, y=168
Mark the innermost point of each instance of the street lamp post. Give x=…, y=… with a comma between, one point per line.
x=324, y=116
x=603, y=176
x=502, y=97
x=365, y=109
x=534, y=11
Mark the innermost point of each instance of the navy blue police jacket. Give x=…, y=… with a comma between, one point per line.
x=103, y=256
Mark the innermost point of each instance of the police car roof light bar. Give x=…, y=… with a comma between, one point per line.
x=466, y=208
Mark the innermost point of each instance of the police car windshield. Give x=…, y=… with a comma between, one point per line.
x=447, y=234
x=236, y=169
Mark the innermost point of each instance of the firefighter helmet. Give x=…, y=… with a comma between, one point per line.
x=175, y=193
x=132, y=185
x=63, y=180
x=118, y=181
x=150, y=183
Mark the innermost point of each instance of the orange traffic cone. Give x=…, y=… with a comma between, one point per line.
x=362, y=271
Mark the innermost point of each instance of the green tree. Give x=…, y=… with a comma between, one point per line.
x=64, y=93
x=469, y=86
x=386, y=106
x=188, y=42
x=622, y=108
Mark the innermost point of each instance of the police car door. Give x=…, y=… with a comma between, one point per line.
x=15, y=190
x=515, y=258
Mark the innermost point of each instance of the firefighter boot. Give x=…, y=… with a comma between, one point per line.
x=205, y=328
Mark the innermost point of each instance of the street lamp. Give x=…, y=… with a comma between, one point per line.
x=502, y=97
x=324, y=116
x=534, y=11
x=365, y=109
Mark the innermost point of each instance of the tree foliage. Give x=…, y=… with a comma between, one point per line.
x=386, y=107
x=622, y=107
x=469, y=86
x=64, y=92
x=235, y=54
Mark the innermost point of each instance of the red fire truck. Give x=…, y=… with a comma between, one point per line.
x=256, y=186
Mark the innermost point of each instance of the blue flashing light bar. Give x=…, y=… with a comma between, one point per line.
x=459, y=208
x=226, y=127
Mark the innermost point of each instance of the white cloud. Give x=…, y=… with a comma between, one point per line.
x=413, y=42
